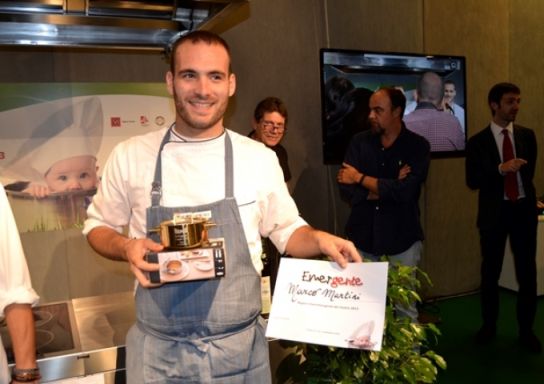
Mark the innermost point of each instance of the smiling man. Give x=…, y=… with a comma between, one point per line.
x=205, y=331
x=269, y=126
x=450, y=105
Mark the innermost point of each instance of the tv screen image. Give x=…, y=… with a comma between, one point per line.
x=349, y=77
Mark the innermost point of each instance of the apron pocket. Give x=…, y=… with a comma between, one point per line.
x=167, y=361
x=240, y=353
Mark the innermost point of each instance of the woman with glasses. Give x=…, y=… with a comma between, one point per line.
x=269, y=127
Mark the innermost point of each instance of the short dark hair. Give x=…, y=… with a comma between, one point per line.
x=498, y=90
x=269, y=105
x=397, y=98
x=449, y=82
x=196, y=37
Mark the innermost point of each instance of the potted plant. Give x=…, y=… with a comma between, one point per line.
x=405, y=357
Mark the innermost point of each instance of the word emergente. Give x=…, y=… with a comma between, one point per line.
x=333, y=281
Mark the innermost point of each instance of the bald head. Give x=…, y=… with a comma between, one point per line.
x=430, y=88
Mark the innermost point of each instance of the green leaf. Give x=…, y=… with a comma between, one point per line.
x=399, y=360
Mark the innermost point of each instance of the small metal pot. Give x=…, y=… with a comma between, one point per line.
x=185, y=234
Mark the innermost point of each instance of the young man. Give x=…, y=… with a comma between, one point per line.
x=381, y=178
x=500, y=164
x=450, y=105
x=208, y=331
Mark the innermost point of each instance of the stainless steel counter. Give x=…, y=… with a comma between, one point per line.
x=103, y=321
x=101, y=324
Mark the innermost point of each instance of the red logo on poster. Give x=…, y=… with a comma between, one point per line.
x=115, y=121
x=144, y=120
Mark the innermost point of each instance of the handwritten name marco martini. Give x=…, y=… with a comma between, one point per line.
x=327, y=288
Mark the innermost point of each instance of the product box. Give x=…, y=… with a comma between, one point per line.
x=203, y=263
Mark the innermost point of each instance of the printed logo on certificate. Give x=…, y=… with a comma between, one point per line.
x=318, y=302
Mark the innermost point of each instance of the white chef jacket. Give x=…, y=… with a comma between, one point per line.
x=193, y=173
x=15, y=285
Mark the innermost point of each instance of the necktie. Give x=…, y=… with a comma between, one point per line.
x=511, y=178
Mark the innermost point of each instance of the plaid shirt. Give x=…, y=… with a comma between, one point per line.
x=441, y=129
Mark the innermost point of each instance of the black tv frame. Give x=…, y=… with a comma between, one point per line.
x=386, y=69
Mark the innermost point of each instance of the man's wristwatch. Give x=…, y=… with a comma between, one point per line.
x=362, y=178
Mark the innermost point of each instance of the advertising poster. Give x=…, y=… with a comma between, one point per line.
x=318, y=302
x=56, y=137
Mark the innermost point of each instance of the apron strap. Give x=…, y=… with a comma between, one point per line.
x=156, y=185
x=229, y=174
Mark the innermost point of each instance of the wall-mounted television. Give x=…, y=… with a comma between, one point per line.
x=349, y=77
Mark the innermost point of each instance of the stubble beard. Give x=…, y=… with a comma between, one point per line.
x=509, y=117
x=198, y=124
x=377, y=129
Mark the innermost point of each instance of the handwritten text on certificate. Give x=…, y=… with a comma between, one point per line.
x=318, y=302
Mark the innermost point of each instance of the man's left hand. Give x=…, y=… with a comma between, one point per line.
x=337, y=249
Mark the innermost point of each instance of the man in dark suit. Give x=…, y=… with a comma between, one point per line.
x=500, y=163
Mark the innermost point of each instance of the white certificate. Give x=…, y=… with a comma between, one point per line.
x=318, y=302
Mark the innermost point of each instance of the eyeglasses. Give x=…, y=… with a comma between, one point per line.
x=270, y=125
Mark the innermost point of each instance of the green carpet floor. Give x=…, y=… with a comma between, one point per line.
x=503, y=361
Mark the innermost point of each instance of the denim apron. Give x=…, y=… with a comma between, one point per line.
x=201, y=331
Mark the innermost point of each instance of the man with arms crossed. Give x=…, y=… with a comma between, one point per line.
x=381, y=177
x=200, y=331
x=500, y=164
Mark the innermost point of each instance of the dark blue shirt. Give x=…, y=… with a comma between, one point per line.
x=391, y=224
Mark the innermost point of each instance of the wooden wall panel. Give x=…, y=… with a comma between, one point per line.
x=526, y=64
x=387, y=25
x=276, y=53
x=471, y=29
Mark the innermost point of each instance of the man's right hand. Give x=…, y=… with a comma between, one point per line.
x=348, y=174
x=512, y=165
x=134, y=252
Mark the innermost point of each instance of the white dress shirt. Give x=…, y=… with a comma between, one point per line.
x=15, y=285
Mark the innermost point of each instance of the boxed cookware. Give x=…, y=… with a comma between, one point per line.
x=202, y=263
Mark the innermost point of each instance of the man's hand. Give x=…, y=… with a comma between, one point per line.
x=134, y=252
x=372, y=196
x=348, y=174
x=337, y=249
x=404, y=171
x=512, y=165
x=308, y=242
